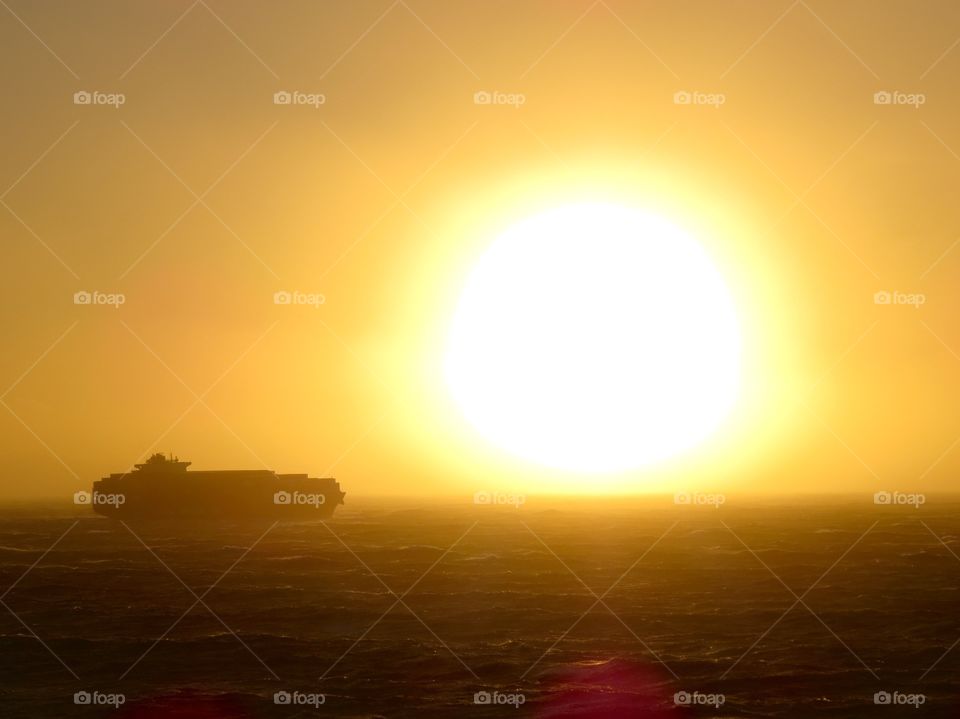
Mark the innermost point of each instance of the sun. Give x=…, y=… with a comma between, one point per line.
x=597, y=338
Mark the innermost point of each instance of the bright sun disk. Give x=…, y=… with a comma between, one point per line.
x=595, y=337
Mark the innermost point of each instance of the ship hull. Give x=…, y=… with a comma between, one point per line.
x=211, y=496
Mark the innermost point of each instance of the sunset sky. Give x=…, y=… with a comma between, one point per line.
x=199, y=198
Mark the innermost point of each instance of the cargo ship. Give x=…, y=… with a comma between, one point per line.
x=162, y=488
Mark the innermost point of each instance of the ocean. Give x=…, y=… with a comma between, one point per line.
x=564, y=608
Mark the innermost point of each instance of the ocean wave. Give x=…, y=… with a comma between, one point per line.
x=499, y=603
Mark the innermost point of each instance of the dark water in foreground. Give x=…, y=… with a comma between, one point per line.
x=694, y=610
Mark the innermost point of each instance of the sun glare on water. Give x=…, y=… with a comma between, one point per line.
x=595, y=338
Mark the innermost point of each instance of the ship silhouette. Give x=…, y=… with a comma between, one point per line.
x=162, y=488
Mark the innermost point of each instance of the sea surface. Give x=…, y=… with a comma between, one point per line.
x=569, y=608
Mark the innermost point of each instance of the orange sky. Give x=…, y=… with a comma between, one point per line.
x=199, y=198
